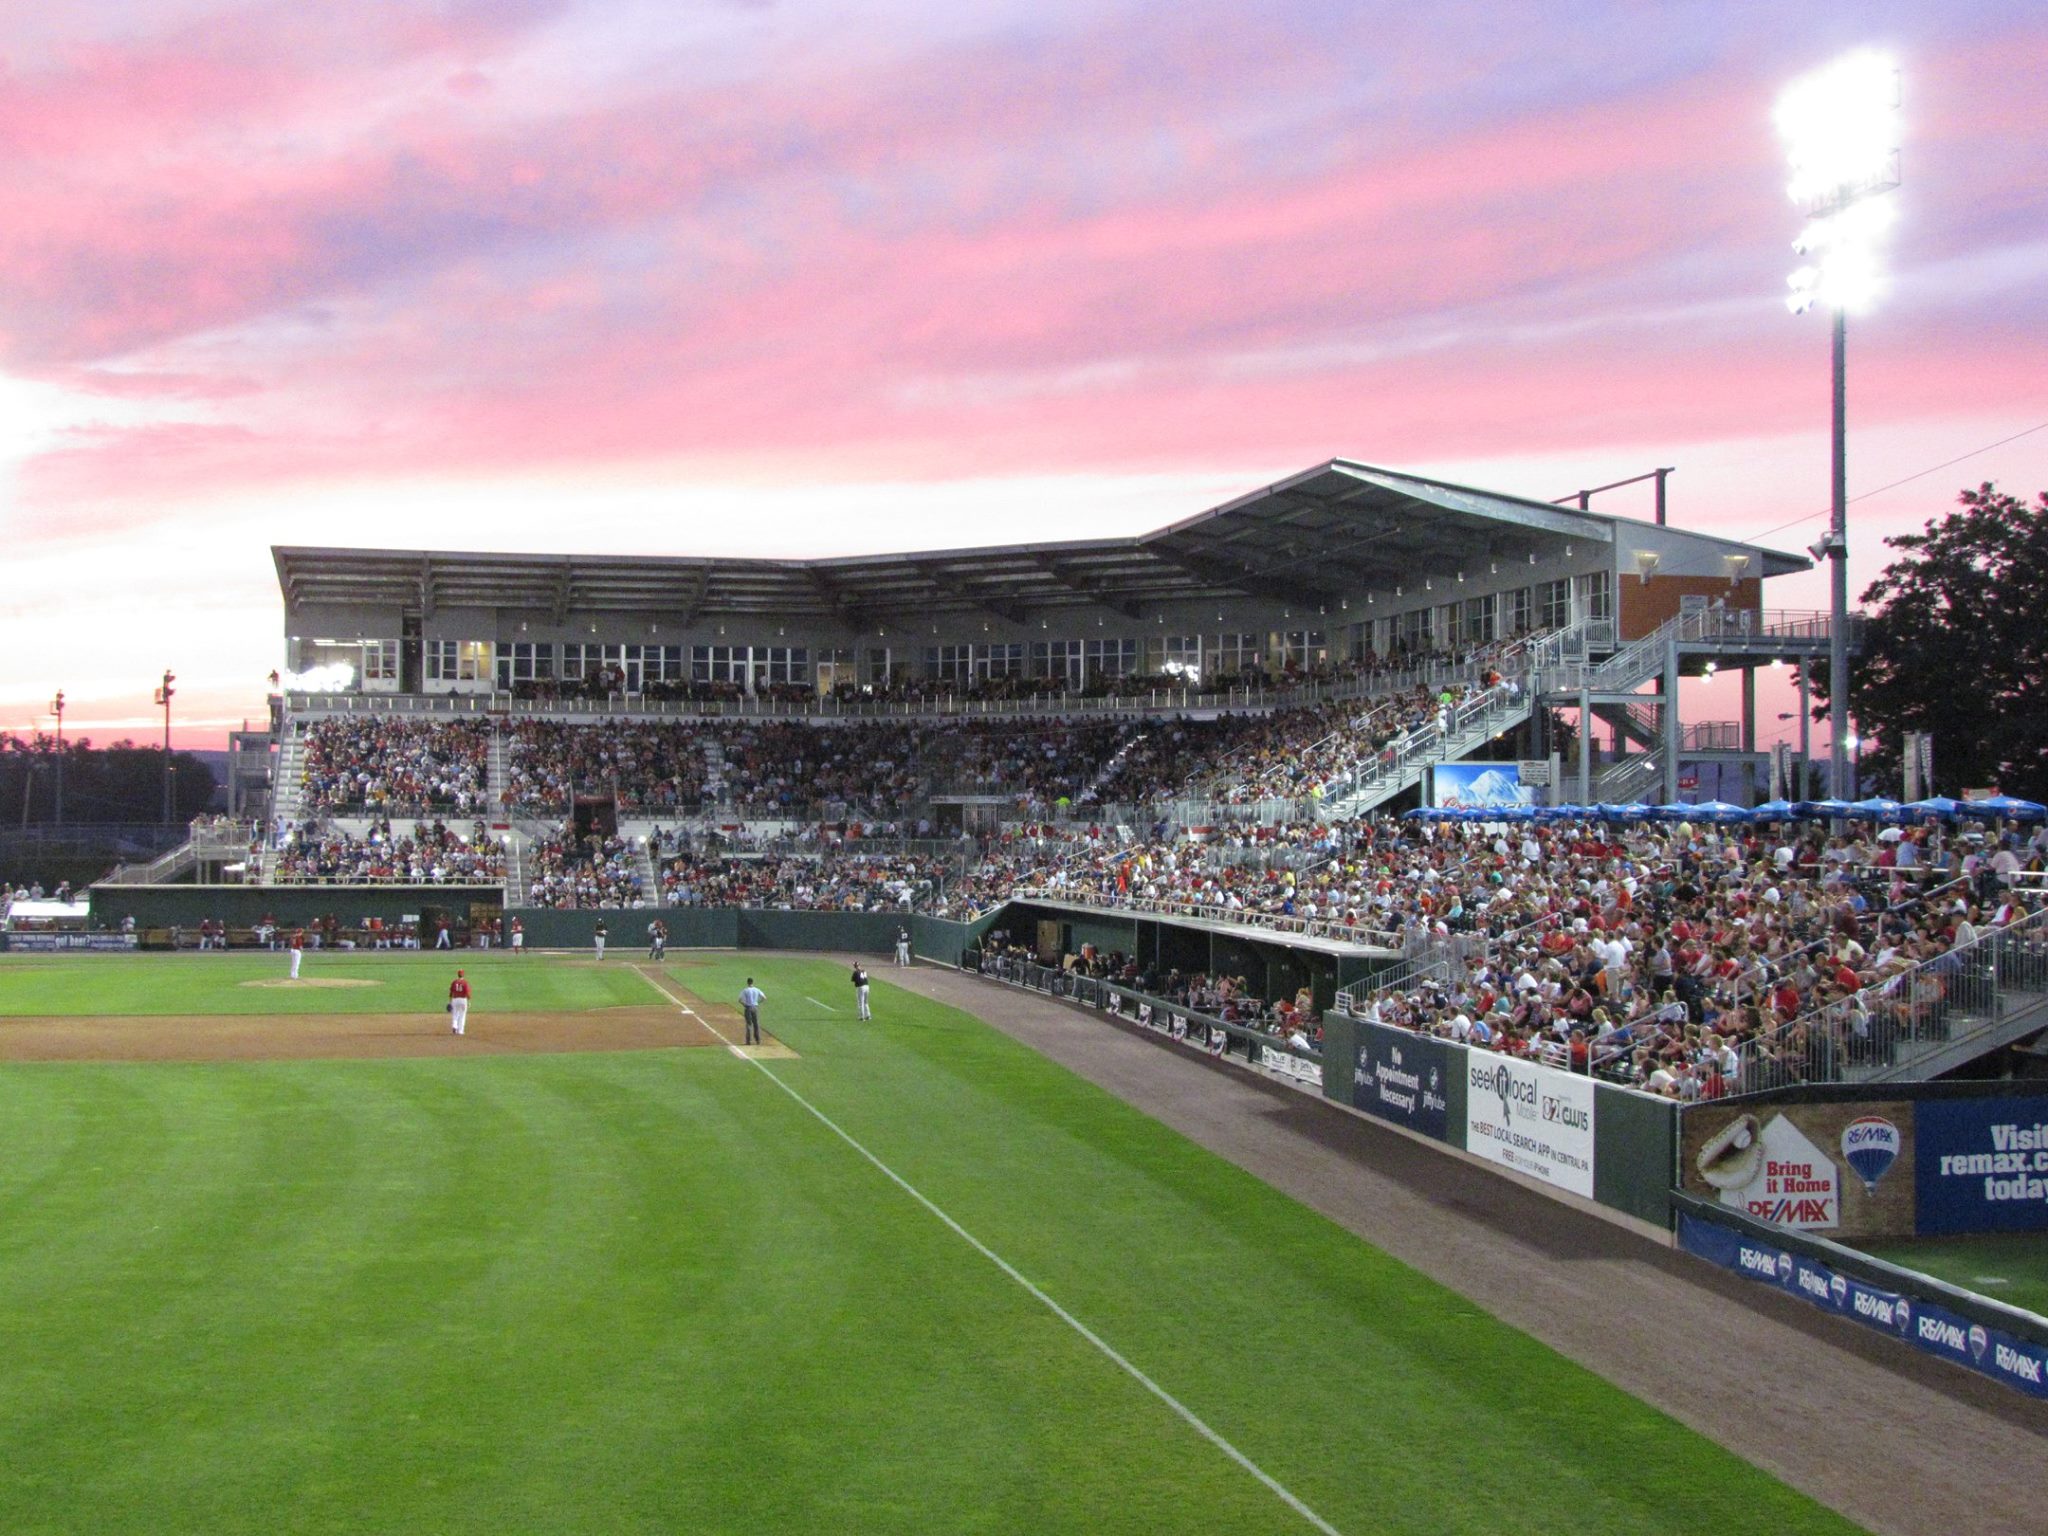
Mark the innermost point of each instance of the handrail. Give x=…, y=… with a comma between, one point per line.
x=1242, y=917
x=1974, y=979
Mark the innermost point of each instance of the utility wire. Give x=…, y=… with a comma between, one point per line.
x=1917, y=475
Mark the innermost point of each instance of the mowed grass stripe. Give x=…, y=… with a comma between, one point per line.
x=1179, y=1409
x=714, y=1325
x=1263, y=1316
x=646, y=1291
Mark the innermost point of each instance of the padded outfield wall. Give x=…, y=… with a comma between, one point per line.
x=1567, y=1134
x=159, y=907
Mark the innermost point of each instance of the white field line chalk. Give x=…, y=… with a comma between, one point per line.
x=1187, y=1414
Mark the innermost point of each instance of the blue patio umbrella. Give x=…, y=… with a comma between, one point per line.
x=1721, y=812
x=1933, y=808
x=1879, y=807
x=2005, y=805
x=1823, y=810
x=1776, y=810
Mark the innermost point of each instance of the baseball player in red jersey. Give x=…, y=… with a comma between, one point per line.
x=458, y=1004
x=298, y=946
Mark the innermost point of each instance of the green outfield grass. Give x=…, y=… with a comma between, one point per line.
x=2011, y=1267
x=401, y=982
x=650, y=1292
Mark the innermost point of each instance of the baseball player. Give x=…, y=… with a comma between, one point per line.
x=298, y=948
x=518, y=936
x=751, y=999
x=860, y=989
x=657, y=940
x=598, y=938
x=458, y=1004
x=903, y=946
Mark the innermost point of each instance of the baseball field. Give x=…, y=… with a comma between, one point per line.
x=281, y=1257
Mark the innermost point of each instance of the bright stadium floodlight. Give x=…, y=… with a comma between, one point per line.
x=1841, y=132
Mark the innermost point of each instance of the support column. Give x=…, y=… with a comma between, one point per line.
x=1585, y=745
x=1670, y=720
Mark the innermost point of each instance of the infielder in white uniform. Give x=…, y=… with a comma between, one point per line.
x=298, y=948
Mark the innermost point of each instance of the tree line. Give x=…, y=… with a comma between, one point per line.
x=119, y=783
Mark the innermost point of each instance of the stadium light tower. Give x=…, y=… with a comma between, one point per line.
x=163, y=697
x=1840, y=126
x=57, y=709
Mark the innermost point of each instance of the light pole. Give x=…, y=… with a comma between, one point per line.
x=163, y=697
x=1841, y=134
x=57, y=709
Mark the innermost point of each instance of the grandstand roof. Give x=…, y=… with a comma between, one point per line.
x=1329, y=532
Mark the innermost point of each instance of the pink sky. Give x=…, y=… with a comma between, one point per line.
x=802, y=278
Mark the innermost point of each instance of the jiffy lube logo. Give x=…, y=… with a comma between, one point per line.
x=1870, y=1145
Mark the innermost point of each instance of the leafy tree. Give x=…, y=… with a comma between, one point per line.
x=1956, y=643
x=120, y=783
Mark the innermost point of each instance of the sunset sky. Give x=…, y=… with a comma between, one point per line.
x=812, y=278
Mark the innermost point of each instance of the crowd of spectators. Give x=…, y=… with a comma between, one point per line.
x=382, y=764
x=430, y=854
x=650, y=766
x=846, y=882
x=1694, y=960
x=596, y=869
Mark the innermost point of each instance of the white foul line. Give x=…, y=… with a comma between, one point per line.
x=826, y=1006
x=1187, y=1414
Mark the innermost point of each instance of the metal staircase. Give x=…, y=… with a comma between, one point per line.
x=289, y=793
x=1401, y=766
x=1627, y=780
x=515, y=868
x=499, y=767
x=650, y=876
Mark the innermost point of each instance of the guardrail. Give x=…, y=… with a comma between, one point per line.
x=1261, y=1047
x=1916, y=1013
x=1275, y=922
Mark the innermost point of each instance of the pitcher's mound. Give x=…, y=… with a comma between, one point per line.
x=313, y=981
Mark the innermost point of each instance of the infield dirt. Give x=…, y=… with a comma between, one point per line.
x=344, y=1036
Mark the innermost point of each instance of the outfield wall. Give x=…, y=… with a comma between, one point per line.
x=1880, y=1160
x=1563, y=1132
x=159, y=907
x=2004, y=1343
x=1560, y=1132
x=241, y=906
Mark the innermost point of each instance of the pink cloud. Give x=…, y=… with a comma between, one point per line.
x=1026, y=258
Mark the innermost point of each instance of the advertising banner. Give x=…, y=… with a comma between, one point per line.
x=1533, y=1119
x=1840, y=1168
x=1479, y=784
x=45, y=943
x=1982, y=1165
x=1402, y=1077
x=1926, y=1325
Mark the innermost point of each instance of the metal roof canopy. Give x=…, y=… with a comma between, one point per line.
x=1329, y=533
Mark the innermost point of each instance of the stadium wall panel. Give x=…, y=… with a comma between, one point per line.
x=240, y=906
x=1635, y=1153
